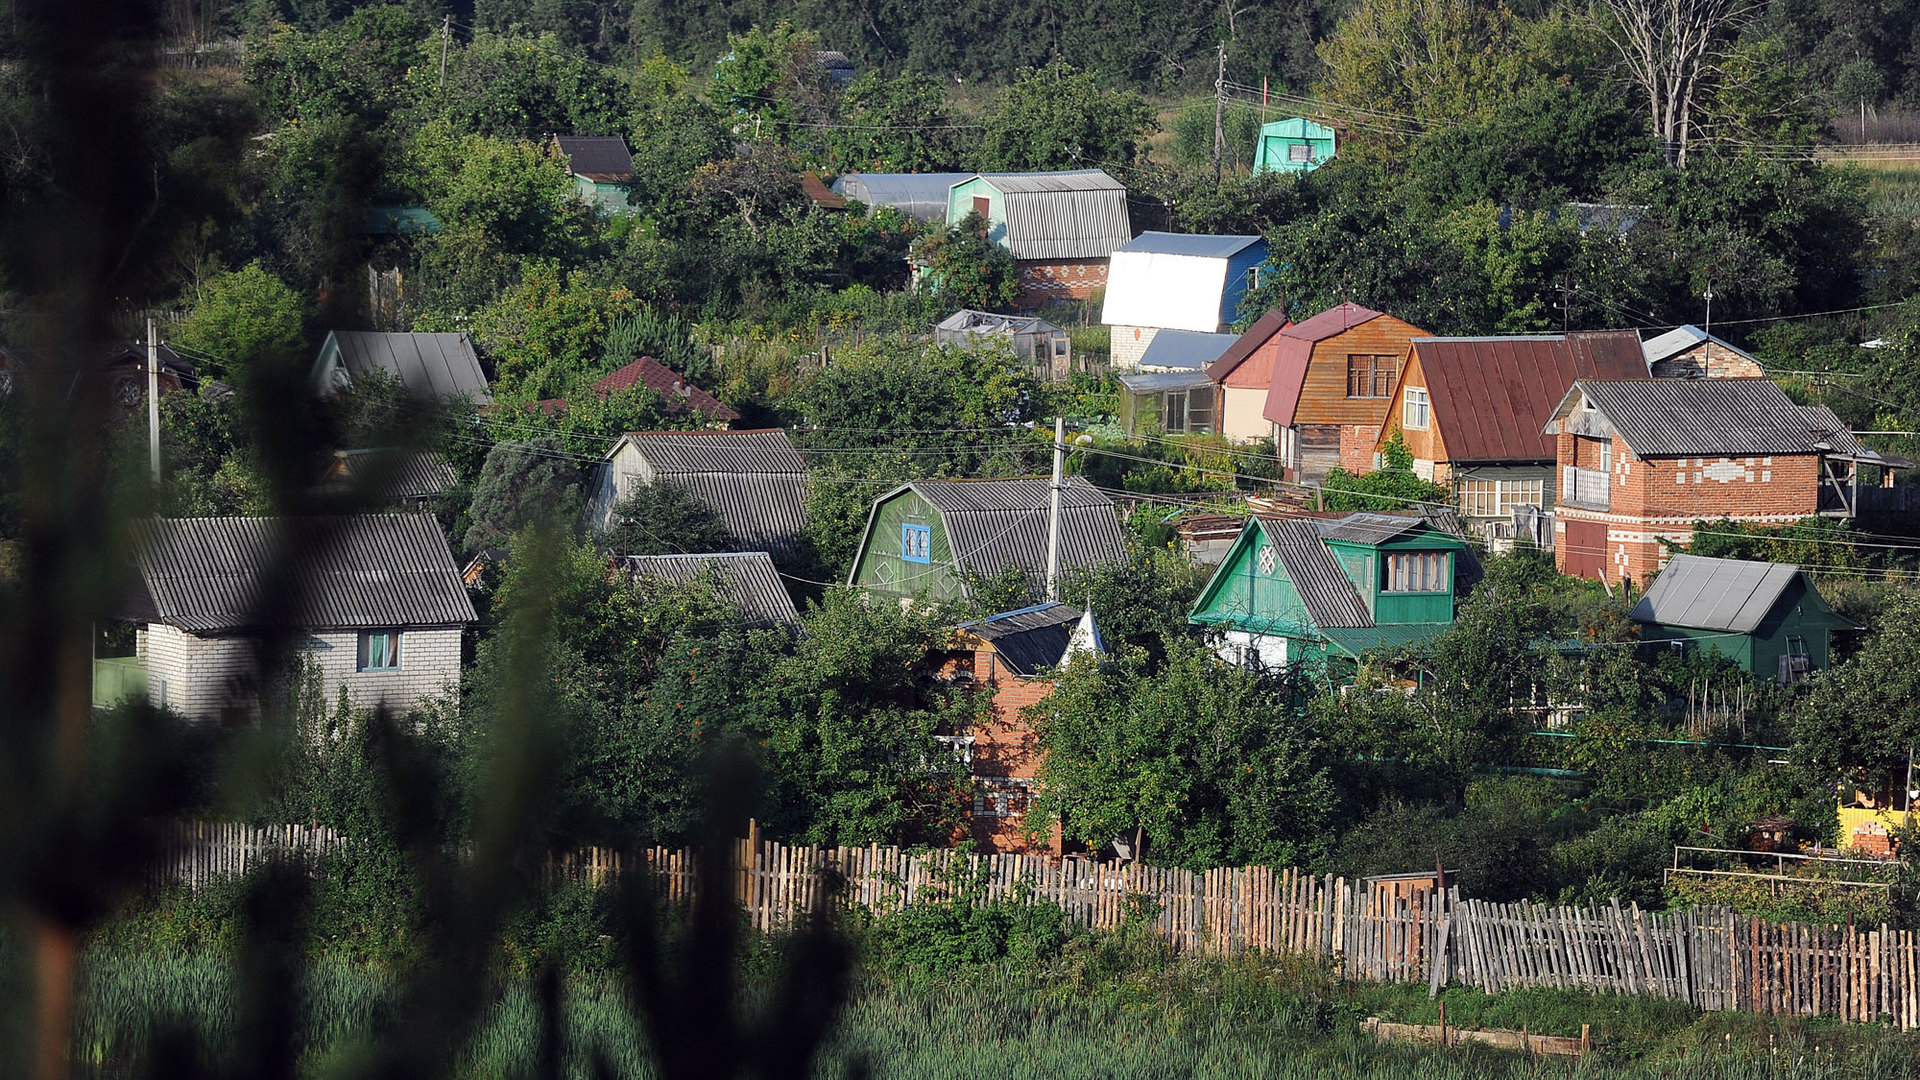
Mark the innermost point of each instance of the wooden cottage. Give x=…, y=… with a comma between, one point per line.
x=1060, y=227
x=929, y=539
x=1319, y=590
x=602, y=170
x=1766, y=617
x=1332, y=386
x=1175, y=281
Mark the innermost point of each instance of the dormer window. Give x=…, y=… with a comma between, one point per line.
x=1417, y=571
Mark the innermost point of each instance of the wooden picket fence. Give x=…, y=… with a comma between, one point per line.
x=1372, y=929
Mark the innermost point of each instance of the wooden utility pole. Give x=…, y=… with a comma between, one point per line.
x=1220, y=112
x=153, y=400
x=446, y=39
x=1053, y=510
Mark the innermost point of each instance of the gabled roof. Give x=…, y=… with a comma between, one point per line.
x=1031, y=638
x=1324, y=588
x=1081, y=214
x=746, y=579
x=429, y=365
x=1296, y=352
x=400, y=474
x=993, y=525
x=1723, y=417
x=680, y=394
x=1732, y=595
x=822, y=197
x=1195, y=244
x=373, y=571
x=1491, y=396
x=1185, y=350
x=1674, y=342
x=1230, y=362
x=754, y=480
x=602, y=158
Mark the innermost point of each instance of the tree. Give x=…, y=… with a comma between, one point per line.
x=1863, y=714
x=901, y=124
x=664, y=518
x=242, y=318
x=1059, y=117
x=1669, y=48
x=1391, y=487
x=517, y=87
x=518, y=194
x=774, y=84
x=1200, y=763
x=524, y=483
x=550, y=330
x=962, y=263
x=359, y=67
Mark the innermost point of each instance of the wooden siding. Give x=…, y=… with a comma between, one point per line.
x=882, y=569
x=1428, y=445
x=1323, y=397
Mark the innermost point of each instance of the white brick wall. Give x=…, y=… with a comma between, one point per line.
x=199, y=676
x=1126, y=343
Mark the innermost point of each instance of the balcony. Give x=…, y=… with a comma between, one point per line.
x=1588, y=489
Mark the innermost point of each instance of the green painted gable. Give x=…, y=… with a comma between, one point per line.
x=882, y=565
x=1276, y=150
x=1800, y=622
x=1242, y=596
x=960, y=204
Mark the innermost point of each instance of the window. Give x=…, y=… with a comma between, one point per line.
x=916, y=543
x=1371, y=376
x=1187, y=411
x=1497, y=498
x=1002, y=796
x=1414, y=414
x=379, y=650
x=1417, y=571
x=1299, y=152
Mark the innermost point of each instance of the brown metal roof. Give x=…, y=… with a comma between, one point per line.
x=1491, y=396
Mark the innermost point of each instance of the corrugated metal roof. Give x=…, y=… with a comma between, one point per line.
x=1063, y=215
x=1369, y=528
x=401, y=474
x=428, y=365
x=746, y=579
x=1261, y=332
x=1492, y=396
x=1030, y=638
x=1676, y=417
x=1700, y=593
x=204, y=575
x=1156, y=381
x=917, y=195
x=1324, y=588
x=754, y=480
x=604, y=158
x=996, y=524
x=1196, y=244
x=1296, y=352
x=1185, y=349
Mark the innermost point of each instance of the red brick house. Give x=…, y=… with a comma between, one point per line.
x=1640, y=460
x=1003, y=655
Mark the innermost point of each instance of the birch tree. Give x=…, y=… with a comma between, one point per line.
x=1670, y=47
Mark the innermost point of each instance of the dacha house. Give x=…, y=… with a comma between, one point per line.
x=1060, y=227
x=1766, y=617
x=1176, y=281
x=753, y=480
x=1331, y=385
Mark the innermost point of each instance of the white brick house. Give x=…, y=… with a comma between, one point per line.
x=375, y=604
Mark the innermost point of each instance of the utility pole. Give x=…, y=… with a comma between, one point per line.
x=1220, y=113
x=446, y=39
x=153, y=400
x=1709, y=327
x=1053, y=511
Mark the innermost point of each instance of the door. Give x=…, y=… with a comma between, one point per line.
x=1584, y=549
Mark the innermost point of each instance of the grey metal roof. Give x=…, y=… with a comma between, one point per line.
x=1700, y=593
x=1030, y=638
x=1680, y=339
x=372, y=571
x=1155, y=381
x=1063, y=215
x=917, y=195
x=597, y=157
x=1208, y=247
x=1678, y=417
x=428, y=365
x=1324, y=588
x=746, y=579
x=996, y=524
x=1185, y=349
x=1369, y=528
x=754, y=480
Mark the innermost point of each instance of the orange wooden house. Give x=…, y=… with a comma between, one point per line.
x=1331, y=385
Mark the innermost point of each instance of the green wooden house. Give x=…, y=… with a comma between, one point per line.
x=1766, y=617
x=1293, y=145
x=1308, y=590
x=929, y=539
x=602, y=170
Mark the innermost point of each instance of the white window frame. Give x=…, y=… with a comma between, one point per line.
x=1415, y=397
x=1417, y=571
x=365, y=655
x=1497, y=498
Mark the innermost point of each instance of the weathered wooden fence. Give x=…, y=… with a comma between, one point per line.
x=1709, y=957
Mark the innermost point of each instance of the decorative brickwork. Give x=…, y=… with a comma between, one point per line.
x=1043, y=283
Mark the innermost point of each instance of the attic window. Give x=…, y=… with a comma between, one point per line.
x=1417, y=571
x=916, y=543
x=1413, y=414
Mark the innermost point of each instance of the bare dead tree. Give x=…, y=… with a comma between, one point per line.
x=1670, y=47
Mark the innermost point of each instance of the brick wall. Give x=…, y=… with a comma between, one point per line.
x=1661, y=498
x=1005, y=746
x=1127, y=344
x=1043, y=283
x=202, y=677
x=1356, y=446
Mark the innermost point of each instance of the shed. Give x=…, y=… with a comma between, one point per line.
x=1293, y=145
x=432, y=367
x=754, y=480
x=1767, y=617
x=1047, y=349
x=1306, y=590
x=602, y=169
x=1047, y=216
x=1168, y=402
x=922, y=196
x=1688, y=352
x=927, y=538
x=1177, y=281
x=745, y=579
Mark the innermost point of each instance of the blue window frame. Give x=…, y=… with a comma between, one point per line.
x=916, y=543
